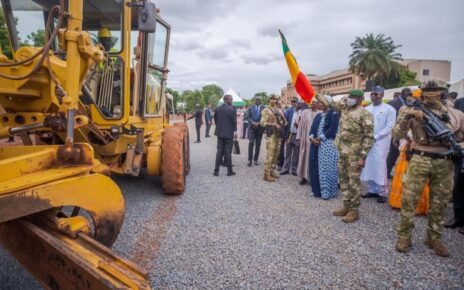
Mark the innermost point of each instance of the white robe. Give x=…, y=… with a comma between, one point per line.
x=376, y=162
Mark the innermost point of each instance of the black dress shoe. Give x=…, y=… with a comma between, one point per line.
x=294, y=174
x=303, y=181
x=231, y=173
x=256, y=163
x=249, y=163
x=369, y=195
x=381, y=199
x=452, y=224
x=216, y=173
x=283, y=173
x=461, y=231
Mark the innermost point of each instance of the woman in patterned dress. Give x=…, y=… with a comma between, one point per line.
x=324, y=155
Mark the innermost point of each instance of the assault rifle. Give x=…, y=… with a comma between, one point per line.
x=437, y=130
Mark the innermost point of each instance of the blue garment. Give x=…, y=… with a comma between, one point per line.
x=254, y=113
x=289, y=116
x=323, y=159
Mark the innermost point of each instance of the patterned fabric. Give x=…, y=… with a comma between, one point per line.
x=350, y=183
x=323, y=162
x=439, y=173
x=356, y=130
x=327, y=164
x=273, y=150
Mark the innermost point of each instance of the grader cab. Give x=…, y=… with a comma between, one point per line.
x=82, y=94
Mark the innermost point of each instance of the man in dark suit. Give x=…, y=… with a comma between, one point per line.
x=255, y=133
x=208, y=120
x=458, y=190
x=292, y=147
x=394, y=152
x=225, y=117
x=198, y=115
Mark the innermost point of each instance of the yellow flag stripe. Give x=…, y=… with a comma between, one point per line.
x=292, y=66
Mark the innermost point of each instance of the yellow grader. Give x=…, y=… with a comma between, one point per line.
x=88, y=101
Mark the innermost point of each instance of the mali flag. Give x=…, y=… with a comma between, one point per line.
x=300, y=81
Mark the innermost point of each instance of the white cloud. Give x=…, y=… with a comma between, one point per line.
x=236, y=44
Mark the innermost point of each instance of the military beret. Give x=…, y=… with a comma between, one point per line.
x=356, y=93
x=273, y=97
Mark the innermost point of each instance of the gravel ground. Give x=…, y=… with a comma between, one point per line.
x=241, y=232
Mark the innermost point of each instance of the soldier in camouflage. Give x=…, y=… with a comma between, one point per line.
x=430, y=161
x=354, y=140
x=273, y=120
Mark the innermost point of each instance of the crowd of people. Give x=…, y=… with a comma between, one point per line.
x=337, y=146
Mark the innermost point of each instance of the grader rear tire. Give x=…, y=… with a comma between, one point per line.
x=173, y=161
x=184, y=128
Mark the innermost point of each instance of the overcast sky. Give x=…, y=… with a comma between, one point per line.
x=236, y=44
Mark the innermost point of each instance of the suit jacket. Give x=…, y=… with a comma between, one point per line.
x=397, y=104
x=330, y=125
x=208, y=115
x=225, y=117
x=289, y=116
x=459, y=104
x=252, y=114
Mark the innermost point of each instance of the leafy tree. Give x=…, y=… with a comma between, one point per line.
x=399, y=76
x=192, y=98
x=36, y=39
x=264, y=97
x=212, y=94
x=373, y=56
x=4, y=37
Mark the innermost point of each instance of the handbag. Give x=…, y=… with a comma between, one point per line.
x=236, y=147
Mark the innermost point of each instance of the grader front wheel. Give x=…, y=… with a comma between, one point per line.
x=173, y=161
x=185, y=130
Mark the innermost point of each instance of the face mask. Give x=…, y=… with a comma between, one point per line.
x=432, y=98
x=351, y=102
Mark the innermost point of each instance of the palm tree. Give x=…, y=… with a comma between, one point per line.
x=373, y=55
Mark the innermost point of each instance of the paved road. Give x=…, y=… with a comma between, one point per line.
x=239, y=232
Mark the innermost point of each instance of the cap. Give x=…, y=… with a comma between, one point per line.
x=378, y=89
x=295, y=100
x=434, y=84
x=356, y=93
x=273, y=97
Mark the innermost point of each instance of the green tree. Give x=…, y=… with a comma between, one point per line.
x=212, y=94
x=4, y=37
x=36, y=39
x=264, y=97
x=192, y=98
x=399, y=76
x=373, y=56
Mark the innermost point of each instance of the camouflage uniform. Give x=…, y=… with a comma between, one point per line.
x=438, y=171
x=354, y=140
x=270, y=117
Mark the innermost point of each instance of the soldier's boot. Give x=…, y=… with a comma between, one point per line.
x=269, y=178
x=274, y=175
x=343, y=211
x=438, y=246
x=351, y=216
x=403, y=245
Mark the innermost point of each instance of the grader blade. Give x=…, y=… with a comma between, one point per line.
x=59, y=262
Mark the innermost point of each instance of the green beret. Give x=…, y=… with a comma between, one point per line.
x=356, y=93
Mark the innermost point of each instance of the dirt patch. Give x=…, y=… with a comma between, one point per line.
x=149, y=241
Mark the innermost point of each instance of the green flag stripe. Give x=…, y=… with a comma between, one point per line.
x=284, y=43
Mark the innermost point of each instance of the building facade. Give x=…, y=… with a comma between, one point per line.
x=340, y=82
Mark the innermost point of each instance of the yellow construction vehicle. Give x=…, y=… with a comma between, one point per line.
x=87, y=101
